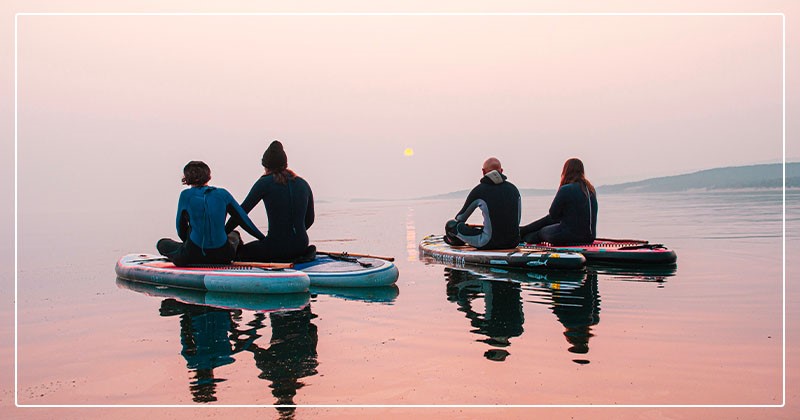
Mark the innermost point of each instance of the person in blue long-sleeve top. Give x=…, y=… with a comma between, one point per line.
x=572, y=219
x=201, y=222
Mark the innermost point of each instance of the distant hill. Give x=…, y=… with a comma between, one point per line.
x=729, y=178
x=463, y=194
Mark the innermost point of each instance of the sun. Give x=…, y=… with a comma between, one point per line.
x=408, y=152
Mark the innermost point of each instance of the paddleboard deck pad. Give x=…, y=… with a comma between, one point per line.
x=434, y=248
x=344, y=271
x=155, y=269
x=614, y=251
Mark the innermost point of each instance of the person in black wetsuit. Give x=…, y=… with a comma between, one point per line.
x=290, y=211
x=572, y=219
x=500, y=203
x=201, y=222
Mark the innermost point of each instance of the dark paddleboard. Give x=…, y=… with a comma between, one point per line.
x=614, y=251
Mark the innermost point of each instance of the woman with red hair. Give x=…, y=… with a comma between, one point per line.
x=572, y=219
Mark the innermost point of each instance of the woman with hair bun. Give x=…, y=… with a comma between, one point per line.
x=289, y=204
x=572, y=219
x=201, y=222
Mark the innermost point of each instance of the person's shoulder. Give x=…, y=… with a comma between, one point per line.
x=220, y=192
x=188, y=192
x=300, y=180
x=185, y=194
x=478, y=187
x=509, y=187
x=264, y=182
x=509, y=184
x=569, y=187
x=265, y=179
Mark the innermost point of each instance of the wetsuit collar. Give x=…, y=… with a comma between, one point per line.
x=493, y=177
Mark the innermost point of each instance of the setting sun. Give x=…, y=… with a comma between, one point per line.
x=408, y=152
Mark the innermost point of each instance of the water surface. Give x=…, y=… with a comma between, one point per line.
x=707, y=332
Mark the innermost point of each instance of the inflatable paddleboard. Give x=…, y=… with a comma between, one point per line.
x=155, y=269
x=346, y=271
x=248, y=301
x=433, y=247
x=614, y=251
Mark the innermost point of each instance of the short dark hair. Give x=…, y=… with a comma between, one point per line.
x=196, y=173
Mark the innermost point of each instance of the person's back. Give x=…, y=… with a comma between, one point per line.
x=200, y=222
x=289, y=204
x=576, y=208
x=500, y=203
x=290, y=211
x=572, y=218
x=206, y=208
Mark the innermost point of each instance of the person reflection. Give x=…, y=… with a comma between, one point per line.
x=503, y=317
x=578, y=310
x=291, y=355
x=212, y=336
x=206, y=346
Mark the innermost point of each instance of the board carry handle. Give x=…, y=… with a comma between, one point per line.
x=274, y=266
x=350, y=254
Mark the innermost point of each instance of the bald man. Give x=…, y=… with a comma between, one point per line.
x=501, y=206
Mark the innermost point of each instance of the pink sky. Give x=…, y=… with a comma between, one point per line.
x=633, y=96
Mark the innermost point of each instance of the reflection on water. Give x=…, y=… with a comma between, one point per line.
x=571, y=295
x=253, y=302
x=206, y=346
x=578, y=310
x=379, y=294
x=649, y=274
x=213, y=331
x=71, y=319
x=502, y=318
x=411, y=237
x=291, y=355
x=211, y=336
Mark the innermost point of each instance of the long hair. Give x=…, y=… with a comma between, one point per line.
x=283, y=176
x=573, y=172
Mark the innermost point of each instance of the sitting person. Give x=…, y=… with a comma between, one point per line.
x=201, y=222
x=572, y=219
x=290, y=211
x=500, y=204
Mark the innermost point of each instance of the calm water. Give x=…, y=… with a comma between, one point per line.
x=708, y=332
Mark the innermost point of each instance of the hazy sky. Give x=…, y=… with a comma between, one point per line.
x=120, y=103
